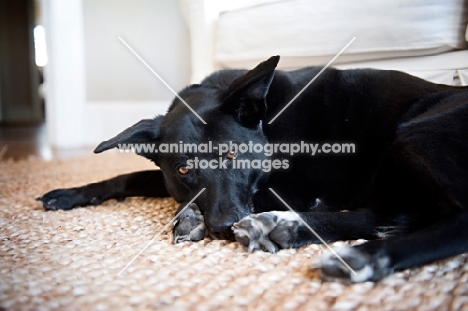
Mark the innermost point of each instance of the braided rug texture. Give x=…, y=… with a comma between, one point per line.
x=69, y=260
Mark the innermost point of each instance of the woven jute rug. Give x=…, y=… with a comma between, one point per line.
x=70, y=260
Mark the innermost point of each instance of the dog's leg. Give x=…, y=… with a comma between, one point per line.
x=376, y=259
x=426, y=175
x=271, y=231
x=145, y=183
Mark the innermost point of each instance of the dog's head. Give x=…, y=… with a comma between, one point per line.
x=232, y=103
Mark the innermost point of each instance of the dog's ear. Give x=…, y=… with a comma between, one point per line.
x=144, y=132
x=245, y=97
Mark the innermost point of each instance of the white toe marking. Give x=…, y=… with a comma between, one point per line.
x=362, y=275
x=287, y=216
x=366, y=273
x=259, y=225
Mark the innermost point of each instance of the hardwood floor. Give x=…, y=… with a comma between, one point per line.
x=25, y=141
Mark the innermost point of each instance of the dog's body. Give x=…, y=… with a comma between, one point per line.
x=406, y=182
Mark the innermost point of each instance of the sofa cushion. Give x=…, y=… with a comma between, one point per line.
x=311, y=32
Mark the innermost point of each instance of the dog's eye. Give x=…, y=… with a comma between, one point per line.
x=232, y=155
x=183, y=170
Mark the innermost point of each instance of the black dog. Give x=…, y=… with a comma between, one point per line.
x=404, y=187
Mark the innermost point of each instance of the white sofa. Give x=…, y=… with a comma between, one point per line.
x=426, y=38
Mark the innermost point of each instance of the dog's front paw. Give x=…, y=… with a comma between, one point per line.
x=360, y=266
x=269, y=231
x=64, y=199
x=190, y=226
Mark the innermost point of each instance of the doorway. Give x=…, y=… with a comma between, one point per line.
x=21, y=106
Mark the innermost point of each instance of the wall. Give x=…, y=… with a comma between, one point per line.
x=155, y=30
x=118, y=89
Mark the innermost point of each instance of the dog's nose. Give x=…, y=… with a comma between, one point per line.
x=222, y=232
